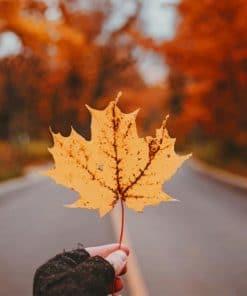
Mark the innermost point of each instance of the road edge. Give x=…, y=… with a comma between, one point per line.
x=33, y=177
x=218, y=174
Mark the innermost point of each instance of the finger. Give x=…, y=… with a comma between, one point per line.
x=118, y=260
x=118, y=285
x=106, y=250
x=124, y=270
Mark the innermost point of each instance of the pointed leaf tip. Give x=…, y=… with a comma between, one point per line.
x=135, y=113
x=50, y=130
x=118, y=97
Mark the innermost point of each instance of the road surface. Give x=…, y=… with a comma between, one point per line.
x=195, y=247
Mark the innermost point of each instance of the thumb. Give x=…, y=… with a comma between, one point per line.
x=118, y=260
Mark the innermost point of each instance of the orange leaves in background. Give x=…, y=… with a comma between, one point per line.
x=27, y=20
x=209, y=51
x=62, y=65
x=115, y=164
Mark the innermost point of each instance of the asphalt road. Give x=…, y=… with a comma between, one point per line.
x=195, y=247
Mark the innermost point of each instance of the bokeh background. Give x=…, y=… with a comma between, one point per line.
x=185, y=58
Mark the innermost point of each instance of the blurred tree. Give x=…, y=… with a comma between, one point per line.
x=20, y=95
x=64, y=63
x=208, y=78
x=27, y=20
x=34, y=82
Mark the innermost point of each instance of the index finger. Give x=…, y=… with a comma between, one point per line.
x=106, y=250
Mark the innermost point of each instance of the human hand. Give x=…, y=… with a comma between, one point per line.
x=116, y=257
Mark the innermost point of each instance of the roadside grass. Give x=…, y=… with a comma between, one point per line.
x=34, y=152
x=9, y=163
x=218, y=155
x=15, y=158
x=9, y=173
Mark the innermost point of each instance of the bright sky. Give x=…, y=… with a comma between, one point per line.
x=157, y=16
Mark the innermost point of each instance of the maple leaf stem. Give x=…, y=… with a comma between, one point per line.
x=120, y=236
x=122, y=223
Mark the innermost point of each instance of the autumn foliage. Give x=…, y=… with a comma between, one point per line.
x=208, y=78
x=63, y=64
x=70, y=60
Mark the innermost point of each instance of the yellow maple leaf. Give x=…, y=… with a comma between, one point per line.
x=116, y=163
